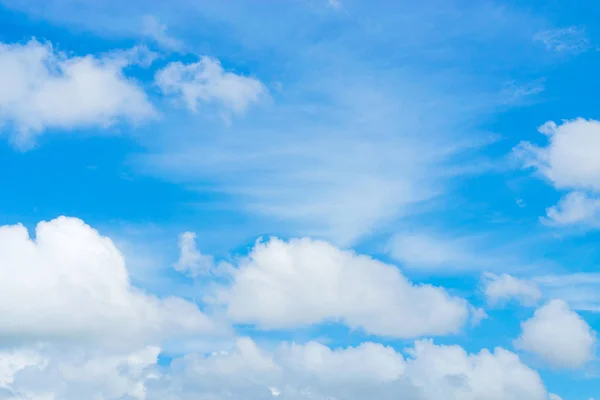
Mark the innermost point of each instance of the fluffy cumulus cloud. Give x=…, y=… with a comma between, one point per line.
x=504, y=287
x=206, y=81
x=303, y=282
x=42, y=89
x=450, y=372
x=56, y=344
x=69, y=283
x=290, y=371
x=371, y=370
x=558, y=336
x=60, y=373
x=570, y=162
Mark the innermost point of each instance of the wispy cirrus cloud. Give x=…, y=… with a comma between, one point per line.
x=156, y=31
x=503, y=288
x=348, y=143
x=579, y=289
x=572, y=39
x=433, y=252
x=353, y=139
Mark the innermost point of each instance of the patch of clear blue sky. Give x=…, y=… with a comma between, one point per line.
x=98, y=179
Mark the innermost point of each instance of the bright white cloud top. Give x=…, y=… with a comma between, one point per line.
x=304, y=282
x=70, y=284
x=559, y=336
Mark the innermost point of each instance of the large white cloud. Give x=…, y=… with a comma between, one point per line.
x=303, y=282
x=70, y=283
x=206, y=81
x=289, y=371
x=558, y=335
x=43, y=89
x=83, y=292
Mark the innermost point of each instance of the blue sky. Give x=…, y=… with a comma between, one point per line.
x=310, y=190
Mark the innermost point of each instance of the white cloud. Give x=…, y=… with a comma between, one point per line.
x=427, y=251
x=366, y=363
x=206, y=81
x=82, y=287
x=15, y=360
x=155, y=30
x=504, y=287
x=42, y=89
x=70, y=374
x=564, y=40
x=580, y=290
x=309, y=371
x=69, y=283
x=137, y=55
x=570, y=159
x=291, y=370
x=558, y=335
x=448, y=372
x=570, y=162
x=574, y=208
x=303, y=282
x=191, y=261
x=478, y=315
